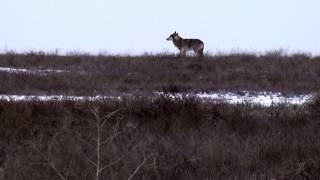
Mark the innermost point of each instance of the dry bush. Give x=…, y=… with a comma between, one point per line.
x=157, y=139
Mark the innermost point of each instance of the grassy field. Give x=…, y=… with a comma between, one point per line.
x=114, y=75
x=140, y=138
x=159, y=139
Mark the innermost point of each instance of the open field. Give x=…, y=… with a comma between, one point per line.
x=140, y=132
x=160, y=139
x=115, y=75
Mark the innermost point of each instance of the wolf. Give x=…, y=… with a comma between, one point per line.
x=185, y=45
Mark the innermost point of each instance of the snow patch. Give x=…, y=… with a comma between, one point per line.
x=30, y=71
x=260, y=98
x=55, y=98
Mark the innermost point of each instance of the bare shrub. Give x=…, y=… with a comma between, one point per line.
x=157, y=139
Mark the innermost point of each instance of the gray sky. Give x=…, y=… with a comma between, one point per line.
x=137, y=26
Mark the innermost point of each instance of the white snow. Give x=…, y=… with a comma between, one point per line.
x=30, y=71
x=55, y=98
x=261, y=98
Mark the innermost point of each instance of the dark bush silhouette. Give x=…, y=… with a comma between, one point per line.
x=158, y=139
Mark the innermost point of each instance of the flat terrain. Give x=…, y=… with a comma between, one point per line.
x=142, y=138
x=114, y=75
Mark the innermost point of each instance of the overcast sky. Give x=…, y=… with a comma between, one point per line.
x=137, y=26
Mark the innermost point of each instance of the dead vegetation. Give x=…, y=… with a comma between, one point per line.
x=158, y=139
x=91, y=75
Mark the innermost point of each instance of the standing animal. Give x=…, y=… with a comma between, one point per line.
x=185, y=45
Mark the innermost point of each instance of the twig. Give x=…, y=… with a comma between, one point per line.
x=50, y=162
x=138, y=168
x=110, y=138
x=89, y=160
x=119, y=159
x=108, y=116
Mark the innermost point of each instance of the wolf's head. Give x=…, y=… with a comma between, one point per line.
x=173, y=36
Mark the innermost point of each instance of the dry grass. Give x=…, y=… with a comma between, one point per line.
x=90, y=75
x=158, y=139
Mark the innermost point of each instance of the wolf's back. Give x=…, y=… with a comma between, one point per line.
x=191, y=42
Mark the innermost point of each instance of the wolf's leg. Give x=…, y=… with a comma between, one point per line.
x=200, y=53
x=182, y=53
